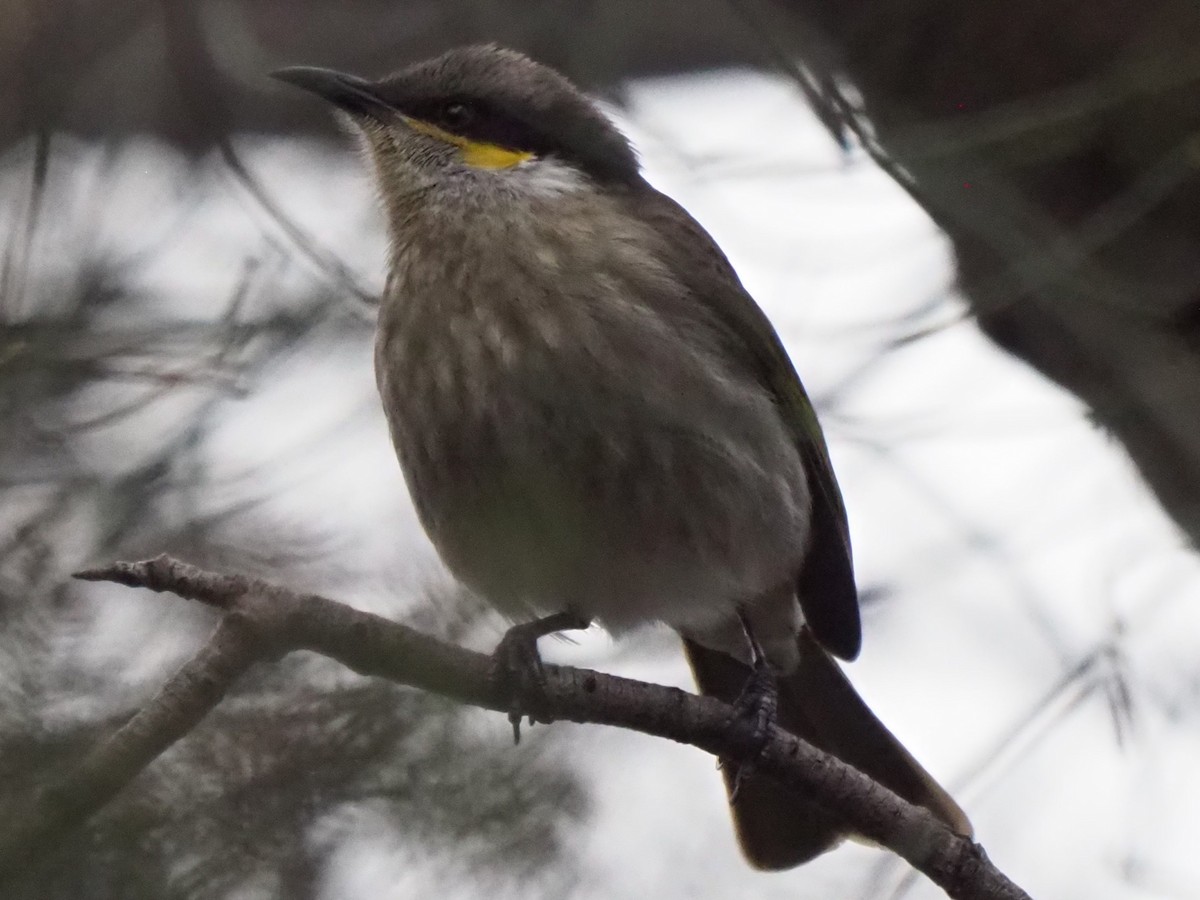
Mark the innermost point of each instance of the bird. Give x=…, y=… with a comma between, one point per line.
x=595, y=420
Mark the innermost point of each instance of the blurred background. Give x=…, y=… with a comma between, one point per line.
x=975, y=227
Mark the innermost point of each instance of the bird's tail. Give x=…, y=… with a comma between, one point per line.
x=777, y=827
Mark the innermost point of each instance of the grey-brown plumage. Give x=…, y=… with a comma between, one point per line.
x=592, y=414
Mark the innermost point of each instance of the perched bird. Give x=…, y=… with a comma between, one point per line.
x=594, y=418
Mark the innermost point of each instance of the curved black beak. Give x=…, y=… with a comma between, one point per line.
x=355, y=95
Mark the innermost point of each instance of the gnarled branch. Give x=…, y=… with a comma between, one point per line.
x=262, y=621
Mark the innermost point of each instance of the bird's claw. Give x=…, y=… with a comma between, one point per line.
x=754, y=711
x=518, y=669
x=754, y=714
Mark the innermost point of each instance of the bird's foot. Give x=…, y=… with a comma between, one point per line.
x=517, y=665
x=755, y=709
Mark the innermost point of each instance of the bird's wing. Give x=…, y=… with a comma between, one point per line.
x=825, y=583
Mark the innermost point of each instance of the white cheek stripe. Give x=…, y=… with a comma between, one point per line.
x=543, y=177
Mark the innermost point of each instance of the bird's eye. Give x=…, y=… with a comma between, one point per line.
x=456, y=115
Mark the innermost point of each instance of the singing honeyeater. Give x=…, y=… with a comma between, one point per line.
x=594, y=418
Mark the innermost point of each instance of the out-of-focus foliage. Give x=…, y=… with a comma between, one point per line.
x=103, y=68
x=116, y=399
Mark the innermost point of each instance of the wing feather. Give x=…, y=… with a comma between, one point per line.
x=825, y=583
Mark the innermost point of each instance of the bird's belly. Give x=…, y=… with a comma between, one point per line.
x=615, y=514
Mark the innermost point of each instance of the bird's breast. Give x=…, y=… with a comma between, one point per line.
x=573, y=434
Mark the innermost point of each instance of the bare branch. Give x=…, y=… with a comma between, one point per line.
x=262, y=621
x=36, y=826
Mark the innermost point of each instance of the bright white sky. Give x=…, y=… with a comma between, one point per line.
x=1012, y=537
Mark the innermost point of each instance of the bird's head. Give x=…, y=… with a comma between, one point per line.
x=475, y=114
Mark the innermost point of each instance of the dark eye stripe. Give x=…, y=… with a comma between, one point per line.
x=476, y=121
x=580, y=136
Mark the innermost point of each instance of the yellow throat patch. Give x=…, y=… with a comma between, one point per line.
x=477, y=154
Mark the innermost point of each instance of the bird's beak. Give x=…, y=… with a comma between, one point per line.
x=350, y=93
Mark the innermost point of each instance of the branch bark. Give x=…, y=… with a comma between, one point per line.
x=260, y=622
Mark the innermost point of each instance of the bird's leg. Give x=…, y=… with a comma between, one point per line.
x=517, y=665
x=756, y=706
